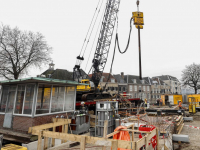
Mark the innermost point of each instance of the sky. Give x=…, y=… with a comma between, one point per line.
x=170, y=39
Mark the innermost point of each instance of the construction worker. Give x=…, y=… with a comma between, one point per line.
x=83, y=107
x=145, y=101
x=161, y=101
x=180, y=105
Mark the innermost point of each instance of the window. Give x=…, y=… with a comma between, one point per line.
x=134, y=80
x=11, y=98
x=69, y=98
x=130, y=88
x=120, y=88
x=147, y=88
x=144, y=88
x=57, y=99
x=20, y=99
x=124, y=88
x=112, y=80
x=135, y=95
x=4, y=98
x=28, y=99
x=135, y=87
x=43, y=99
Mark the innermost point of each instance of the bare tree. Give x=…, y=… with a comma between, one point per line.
x=191, y=76
x=20, y=50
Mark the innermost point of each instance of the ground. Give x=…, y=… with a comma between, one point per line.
x=194, y=134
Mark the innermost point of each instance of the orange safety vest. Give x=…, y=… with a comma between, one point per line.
x=179, y=104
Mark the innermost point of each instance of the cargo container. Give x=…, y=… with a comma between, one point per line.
x=197, y=98
x=172, y=99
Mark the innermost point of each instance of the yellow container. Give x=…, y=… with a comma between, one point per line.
x=13, y=147
x=177, y=98
x=197, y=98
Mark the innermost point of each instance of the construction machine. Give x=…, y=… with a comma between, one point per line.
x=92, y=90
x=100, y=55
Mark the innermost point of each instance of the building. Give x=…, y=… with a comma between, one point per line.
x=158, y=88
x=122, y=86
x=173, y=82
x=33, y=101
x=138, y=88
x=109, y=83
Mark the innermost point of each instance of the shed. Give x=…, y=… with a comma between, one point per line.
x=33, y=101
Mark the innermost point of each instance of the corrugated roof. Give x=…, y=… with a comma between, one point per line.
x=40, y=79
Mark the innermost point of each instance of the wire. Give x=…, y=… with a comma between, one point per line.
x=89, y=28
x=117, y=43
x=117, y=39
x=94, y=39
x=92, y=28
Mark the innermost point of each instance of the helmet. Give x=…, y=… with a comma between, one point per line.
x=82, y=103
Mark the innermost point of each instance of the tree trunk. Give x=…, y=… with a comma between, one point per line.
x=195, y=90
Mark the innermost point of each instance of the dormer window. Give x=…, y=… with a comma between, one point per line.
x=112, y=80
x=134, y=80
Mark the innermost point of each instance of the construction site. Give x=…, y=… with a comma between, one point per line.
x=45, y=113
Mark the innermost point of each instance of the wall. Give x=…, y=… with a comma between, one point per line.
x=22, y=123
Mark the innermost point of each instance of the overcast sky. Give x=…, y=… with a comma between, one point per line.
x=169, y=40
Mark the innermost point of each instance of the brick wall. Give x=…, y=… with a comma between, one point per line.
x=22, y=123
x=1, y=120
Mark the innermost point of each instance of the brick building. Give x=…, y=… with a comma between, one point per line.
x=138, y=88
x=33, y=101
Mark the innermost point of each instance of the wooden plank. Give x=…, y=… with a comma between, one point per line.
x=82, y=146
x=152, y=134
x=146, y=141
x=49, y=125
x=181, y=129
x=89, y=139
x=130, y=130
x=45, y=146
x=157, y=138
x=93, y=116
x=140, y=143
x=39, y=140
x=63, y=131
x=133, y=132
x=53, y=139
x=114, y=145
x=113, y=133
x=179, y=117
x=66, y=131
x=54, y=129
x=105, y=130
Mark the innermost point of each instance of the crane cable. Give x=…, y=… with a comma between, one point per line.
x=78, y=61
x=117, y=43
x=93, y=28
x=89, y=27
x=100, y=22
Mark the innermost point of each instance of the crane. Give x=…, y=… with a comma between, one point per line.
x=103, y=44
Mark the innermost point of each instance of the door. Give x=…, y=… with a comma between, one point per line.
x=171, y=99
x=9, y=107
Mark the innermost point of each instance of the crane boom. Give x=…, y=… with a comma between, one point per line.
x=104, y=40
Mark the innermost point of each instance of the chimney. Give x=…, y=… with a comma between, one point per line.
x=51, y=66
x=122, y=75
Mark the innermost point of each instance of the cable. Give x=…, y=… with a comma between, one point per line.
x=100, y=22
x=117, y=39
x=89, y=28
x=93, y=28
x=111, y=65
x=117, y=43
